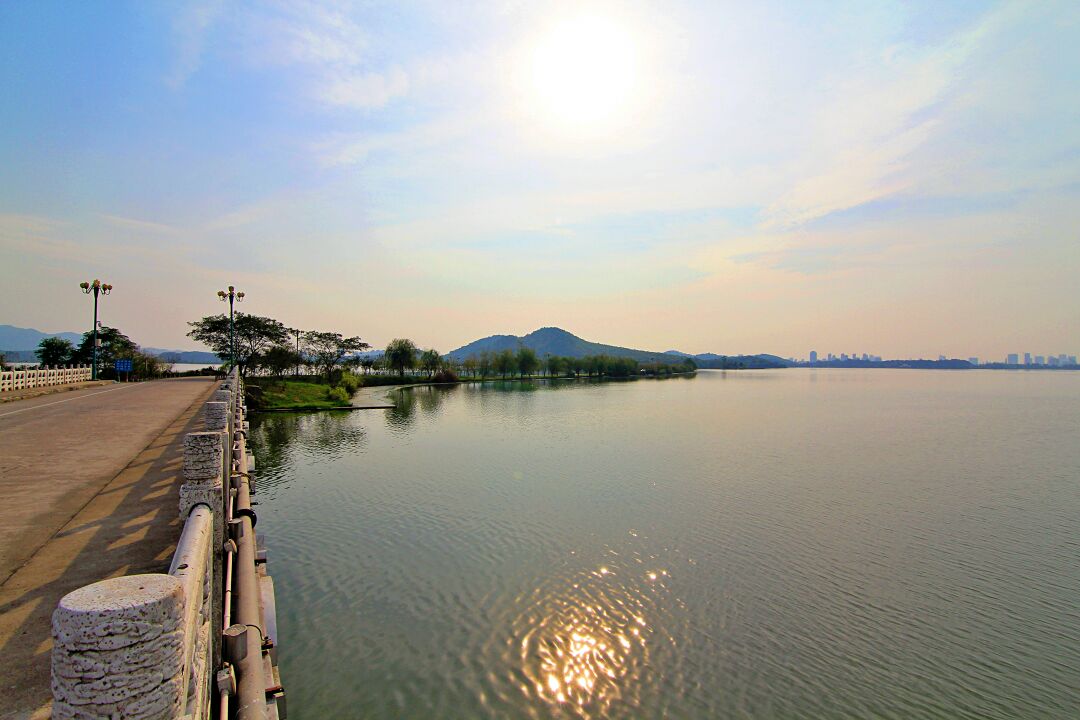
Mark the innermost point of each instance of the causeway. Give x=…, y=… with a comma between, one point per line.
x=88, y=490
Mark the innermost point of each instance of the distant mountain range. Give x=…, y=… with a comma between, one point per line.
x=17, y=338
x=190, y=357
x=556, y=341
x=19, y=345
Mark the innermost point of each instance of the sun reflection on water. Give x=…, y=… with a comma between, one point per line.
x=585, y=649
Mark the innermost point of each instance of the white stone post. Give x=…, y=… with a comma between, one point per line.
x=217, y=416
x=118, y=650
x=205, y=483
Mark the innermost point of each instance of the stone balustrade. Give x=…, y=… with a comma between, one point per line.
x=34, y=377
x=150, y=646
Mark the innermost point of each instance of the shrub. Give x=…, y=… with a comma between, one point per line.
x=349, y=382
x=337, y=395
x=446, y=375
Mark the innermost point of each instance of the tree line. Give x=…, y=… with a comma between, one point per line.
x=402, y=355
x=113, y=345
x=266, y=344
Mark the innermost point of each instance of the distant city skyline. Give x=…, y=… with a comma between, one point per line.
x=1052, y=360
x=711, y=177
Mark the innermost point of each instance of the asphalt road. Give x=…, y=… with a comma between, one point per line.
x=58, y=451
x=88, y=490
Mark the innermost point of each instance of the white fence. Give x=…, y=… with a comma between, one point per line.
x=26, y=378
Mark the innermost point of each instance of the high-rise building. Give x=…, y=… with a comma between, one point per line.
x=1051, y=361
x=1013, y=359
x=813, y=356
x=1072, y=359
x=1027, y=358
x=1040, y=360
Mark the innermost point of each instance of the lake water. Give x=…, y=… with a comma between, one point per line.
x=758, y=544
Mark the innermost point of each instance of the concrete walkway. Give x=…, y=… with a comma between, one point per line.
x=88, y=490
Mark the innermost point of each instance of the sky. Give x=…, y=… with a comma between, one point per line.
x=894, y=178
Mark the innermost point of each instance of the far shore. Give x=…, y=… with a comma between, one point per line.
x=378, y=397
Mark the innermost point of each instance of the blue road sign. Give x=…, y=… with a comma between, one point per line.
x=123, y=366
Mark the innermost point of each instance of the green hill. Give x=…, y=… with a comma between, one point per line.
x=556, y=341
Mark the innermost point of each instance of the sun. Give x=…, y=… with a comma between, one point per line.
x=584, y=74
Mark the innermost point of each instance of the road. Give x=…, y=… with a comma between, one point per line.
x=88, y=490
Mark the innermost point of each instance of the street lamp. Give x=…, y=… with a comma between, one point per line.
x=97, y=288
x=297, y=331
x=231, y=296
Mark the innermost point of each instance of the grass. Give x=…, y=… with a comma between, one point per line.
x=295, y=394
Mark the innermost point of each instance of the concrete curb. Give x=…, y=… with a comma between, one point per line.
x=13, y=395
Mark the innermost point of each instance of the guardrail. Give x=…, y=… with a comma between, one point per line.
x=26, y=378
x=162, y=645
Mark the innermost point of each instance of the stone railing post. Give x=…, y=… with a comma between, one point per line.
x=118, y=650
x=217, y=416
x=205, y=483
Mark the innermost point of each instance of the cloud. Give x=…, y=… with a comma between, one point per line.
x=867, y=129
x=365, y=89
x=190, y=26
x=140, y=225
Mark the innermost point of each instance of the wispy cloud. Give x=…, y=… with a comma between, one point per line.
x=868, y=127
x=140, y=225
x=190, y=27
x=365, y=89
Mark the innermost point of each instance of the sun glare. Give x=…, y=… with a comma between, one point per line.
x=585, y=73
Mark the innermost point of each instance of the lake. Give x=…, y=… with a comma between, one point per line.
x=798, y=543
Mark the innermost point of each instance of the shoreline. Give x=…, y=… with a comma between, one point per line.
x=384, y=397
x=377, y=393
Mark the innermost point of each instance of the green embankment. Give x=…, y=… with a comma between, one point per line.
x=294, y=394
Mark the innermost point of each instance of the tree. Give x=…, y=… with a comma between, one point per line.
x=279, y=360
x=254, y=334
x=553, y=365
x=429, y=361
x=469, y=365
x=144, y=365
x=114, y=345
x=527, y=362
x=484, y=363
x=326, y=349
x=54, y=351
x=505, y=363
x=401, y=354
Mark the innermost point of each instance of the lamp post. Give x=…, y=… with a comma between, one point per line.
x=97, y=288
x=231, y=296
x=297, y=331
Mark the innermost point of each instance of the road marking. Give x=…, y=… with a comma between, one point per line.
x=16, y=412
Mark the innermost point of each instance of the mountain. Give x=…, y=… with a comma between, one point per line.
x=188, y=357
x=20, y=343
x=556, y=341
x=552, y=341
x=17, y=338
